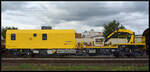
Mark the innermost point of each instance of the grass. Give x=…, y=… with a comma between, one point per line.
x=46, y=67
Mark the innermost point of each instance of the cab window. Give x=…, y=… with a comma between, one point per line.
x=44, y=36
x=13, y=36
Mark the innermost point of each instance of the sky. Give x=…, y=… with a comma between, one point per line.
x=80, y=15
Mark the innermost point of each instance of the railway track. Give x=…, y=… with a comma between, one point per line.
x=75, y=60
x=103, y=57
x=37, y=56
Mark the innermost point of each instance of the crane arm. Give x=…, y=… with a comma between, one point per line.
x=131, y=39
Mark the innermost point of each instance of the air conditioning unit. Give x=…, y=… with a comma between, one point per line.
x=46, y=27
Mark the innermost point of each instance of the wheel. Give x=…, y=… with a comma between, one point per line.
x=116, y=54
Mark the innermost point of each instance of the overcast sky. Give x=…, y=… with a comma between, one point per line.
x=80, y=16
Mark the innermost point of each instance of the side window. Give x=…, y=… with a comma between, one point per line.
x=13, y=36
x=44, y=36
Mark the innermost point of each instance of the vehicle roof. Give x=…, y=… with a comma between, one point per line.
x=46, y=31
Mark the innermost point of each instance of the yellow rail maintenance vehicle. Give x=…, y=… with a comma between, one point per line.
x=63, y=42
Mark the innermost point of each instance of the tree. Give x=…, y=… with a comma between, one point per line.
x=3, y=30
x=112, y=26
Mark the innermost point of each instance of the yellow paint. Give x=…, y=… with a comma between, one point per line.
x=144, y=41
x=121, y=30
x=56, y=39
